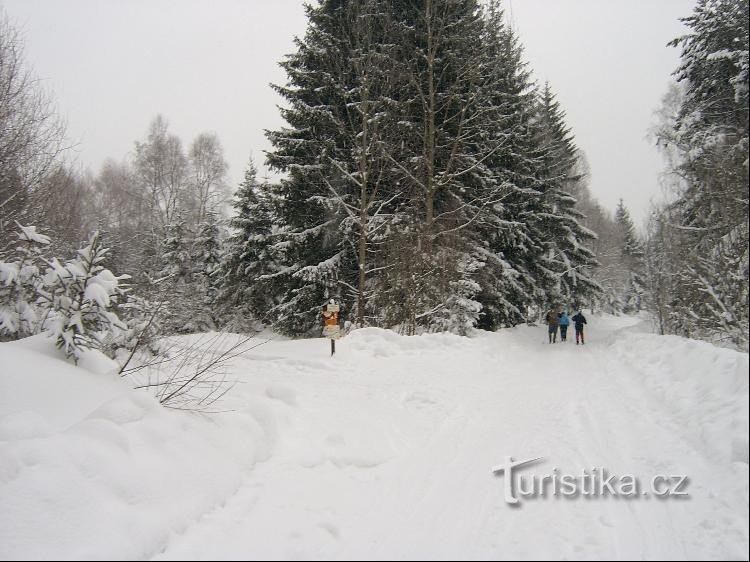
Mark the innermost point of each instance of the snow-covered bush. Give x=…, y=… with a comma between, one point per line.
x=189, y=372
x=80, y=295
x=20, y=279
x=144, y=320
x=72, y=302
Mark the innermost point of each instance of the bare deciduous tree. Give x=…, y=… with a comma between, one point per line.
x=191, y=375
x=208, y=171
x=161, y=167
x=32, y=136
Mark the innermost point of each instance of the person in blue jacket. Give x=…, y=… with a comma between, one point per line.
x=564, y=323
x=579, y=320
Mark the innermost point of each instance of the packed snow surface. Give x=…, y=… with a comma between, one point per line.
x=383, y=451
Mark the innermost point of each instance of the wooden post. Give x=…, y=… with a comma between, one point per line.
x=331, y=328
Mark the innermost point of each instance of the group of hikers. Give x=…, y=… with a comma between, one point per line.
x=560, y=319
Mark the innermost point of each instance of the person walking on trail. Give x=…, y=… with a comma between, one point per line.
x=553, y=321
x=564, y=323
x=579, y=320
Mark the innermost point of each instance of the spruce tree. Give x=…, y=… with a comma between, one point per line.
x=20, y=283
x=708, y=134
x=568, y=256
x=80, y=295
x=247, y=277
x=441, y=160
x=205, y=261
x=173, y=279
x=417, y=189
x=511, y=251
x=317, y=195
x=632, y=255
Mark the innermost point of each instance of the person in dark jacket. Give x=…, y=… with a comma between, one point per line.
x=564, y=323
x=579, y=319
x=553, y=321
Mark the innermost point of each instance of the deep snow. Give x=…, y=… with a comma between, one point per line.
x=384, y=451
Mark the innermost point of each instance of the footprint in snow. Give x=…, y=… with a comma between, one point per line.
x=331, y=529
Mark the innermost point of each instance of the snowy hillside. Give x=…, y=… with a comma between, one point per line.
x=384, y=451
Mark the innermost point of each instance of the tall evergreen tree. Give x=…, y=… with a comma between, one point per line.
x=205, y=261
x=568, y=255
x=443, y=162
x=172, y=281
x=416, y=191
x=331, y=154
x=632, y=255
x=245, y=280
x=708, y=133
x=509, y=279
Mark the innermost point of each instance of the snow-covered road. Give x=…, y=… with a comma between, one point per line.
x=386, y=451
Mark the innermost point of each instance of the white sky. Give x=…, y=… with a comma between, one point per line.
x=206, y=65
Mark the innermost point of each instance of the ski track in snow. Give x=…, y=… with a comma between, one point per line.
x=385, y=451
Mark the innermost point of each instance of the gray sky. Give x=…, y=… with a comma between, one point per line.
x=206, y=65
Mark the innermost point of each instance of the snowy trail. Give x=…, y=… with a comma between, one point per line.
x=385, y=451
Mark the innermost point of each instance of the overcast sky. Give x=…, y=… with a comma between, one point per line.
x=206, y=65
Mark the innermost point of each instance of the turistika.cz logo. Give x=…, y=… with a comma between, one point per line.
x=595, y=482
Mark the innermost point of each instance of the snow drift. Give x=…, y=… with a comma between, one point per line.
x=383, y=451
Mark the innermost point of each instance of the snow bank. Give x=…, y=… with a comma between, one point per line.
x=92, y=469
x=380, y=452
x=377, y=342
x=703, y=387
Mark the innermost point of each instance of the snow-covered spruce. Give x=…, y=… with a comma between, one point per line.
x=20, y=281
x=78, y=297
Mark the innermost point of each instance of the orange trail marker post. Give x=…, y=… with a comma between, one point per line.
x=331, y=328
